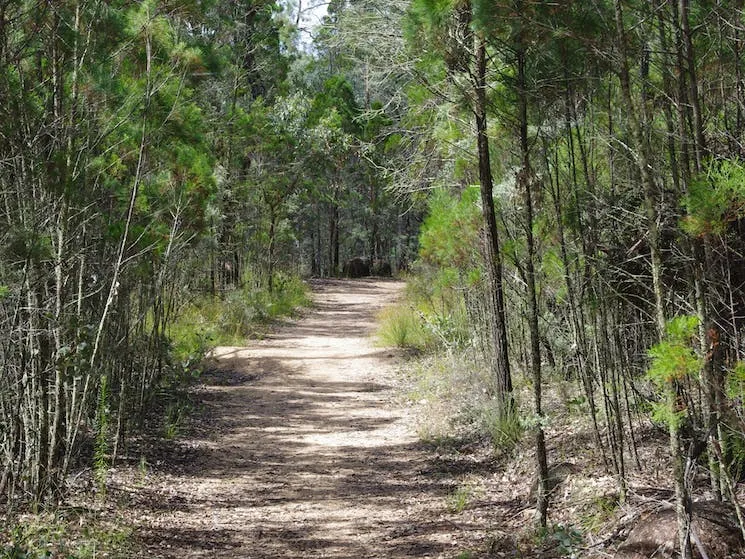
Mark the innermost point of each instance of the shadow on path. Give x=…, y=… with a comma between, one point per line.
x=300, y=450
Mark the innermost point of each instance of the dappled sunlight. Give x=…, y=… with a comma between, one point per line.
x=304, y=451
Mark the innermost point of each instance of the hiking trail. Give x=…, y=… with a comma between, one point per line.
x=303, y=448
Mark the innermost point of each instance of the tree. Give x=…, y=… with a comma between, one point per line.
x=446, y=28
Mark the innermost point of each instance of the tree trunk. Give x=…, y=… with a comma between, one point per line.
x=525, y=181
x=643, y=162
x=493, y=260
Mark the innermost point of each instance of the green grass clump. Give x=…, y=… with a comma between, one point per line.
x=175, y=414
x=504, y=430
x=599, y=514
x=462, y=496
x=403, y=326
x=229, y=318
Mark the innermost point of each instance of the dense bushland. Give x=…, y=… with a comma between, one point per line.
x=167, y=173
x=605, y=140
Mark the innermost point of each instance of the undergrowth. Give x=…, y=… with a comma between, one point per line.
x=456, y=402
x=450, y=379
x=69, y=534
x=229, y=318
x=403, y=326
x=431, y=317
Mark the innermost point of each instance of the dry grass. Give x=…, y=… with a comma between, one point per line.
x=493, y=481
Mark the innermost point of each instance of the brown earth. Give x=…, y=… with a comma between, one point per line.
x=303, y=449
x=305, y=446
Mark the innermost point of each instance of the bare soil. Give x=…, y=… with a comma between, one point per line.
x=303, y=449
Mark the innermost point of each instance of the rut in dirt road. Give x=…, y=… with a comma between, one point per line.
x=304, y=451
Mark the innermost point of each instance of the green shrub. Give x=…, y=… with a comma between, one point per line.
x=566, y=540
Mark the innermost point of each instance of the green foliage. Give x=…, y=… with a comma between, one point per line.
x=673, y=360
x=449, y=267
x=736, y=381
x=453, y=390
x=504, y=430
x=733, y=450
x=232, y=317
x=665, y=413
x=403, y=326
x=449, y=236
x=733, y=435
x=142, y=470
x=715, y=198
x=336, y=97
x=174, y=418
x=599, y=513
x=567, y=539
x=432, y=316
x=71, y=536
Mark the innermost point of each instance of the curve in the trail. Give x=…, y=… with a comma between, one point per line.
x=303, y=451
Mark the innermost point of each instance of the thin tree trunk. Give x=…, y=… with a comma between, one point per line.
x=493, y=260
x=643, y=162
x=525, y=180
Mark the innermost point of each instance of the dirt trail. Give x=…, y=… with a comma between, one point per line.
x=303, y=451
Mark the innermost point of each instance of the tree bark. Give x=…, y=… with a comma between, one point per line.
x=526, y=180
x=493, y=260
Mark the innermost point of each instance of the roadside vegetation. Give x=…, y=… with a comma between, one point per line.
x=206, y=321
x=92, y=524
x=449, y=383
x=70, y=533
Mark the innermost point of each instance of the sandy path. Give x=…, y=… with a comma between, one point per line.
x=303, y=451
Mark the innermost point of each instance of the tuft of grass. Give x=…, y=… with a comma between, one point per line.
x=403, y=326
x=74, y=536
x=462, y=496
x=599, y=514
x=143, y=469
x=505, y=430
x=175, y=414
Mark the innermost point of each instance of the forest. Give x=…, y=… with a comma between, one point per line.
x=561, y=184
